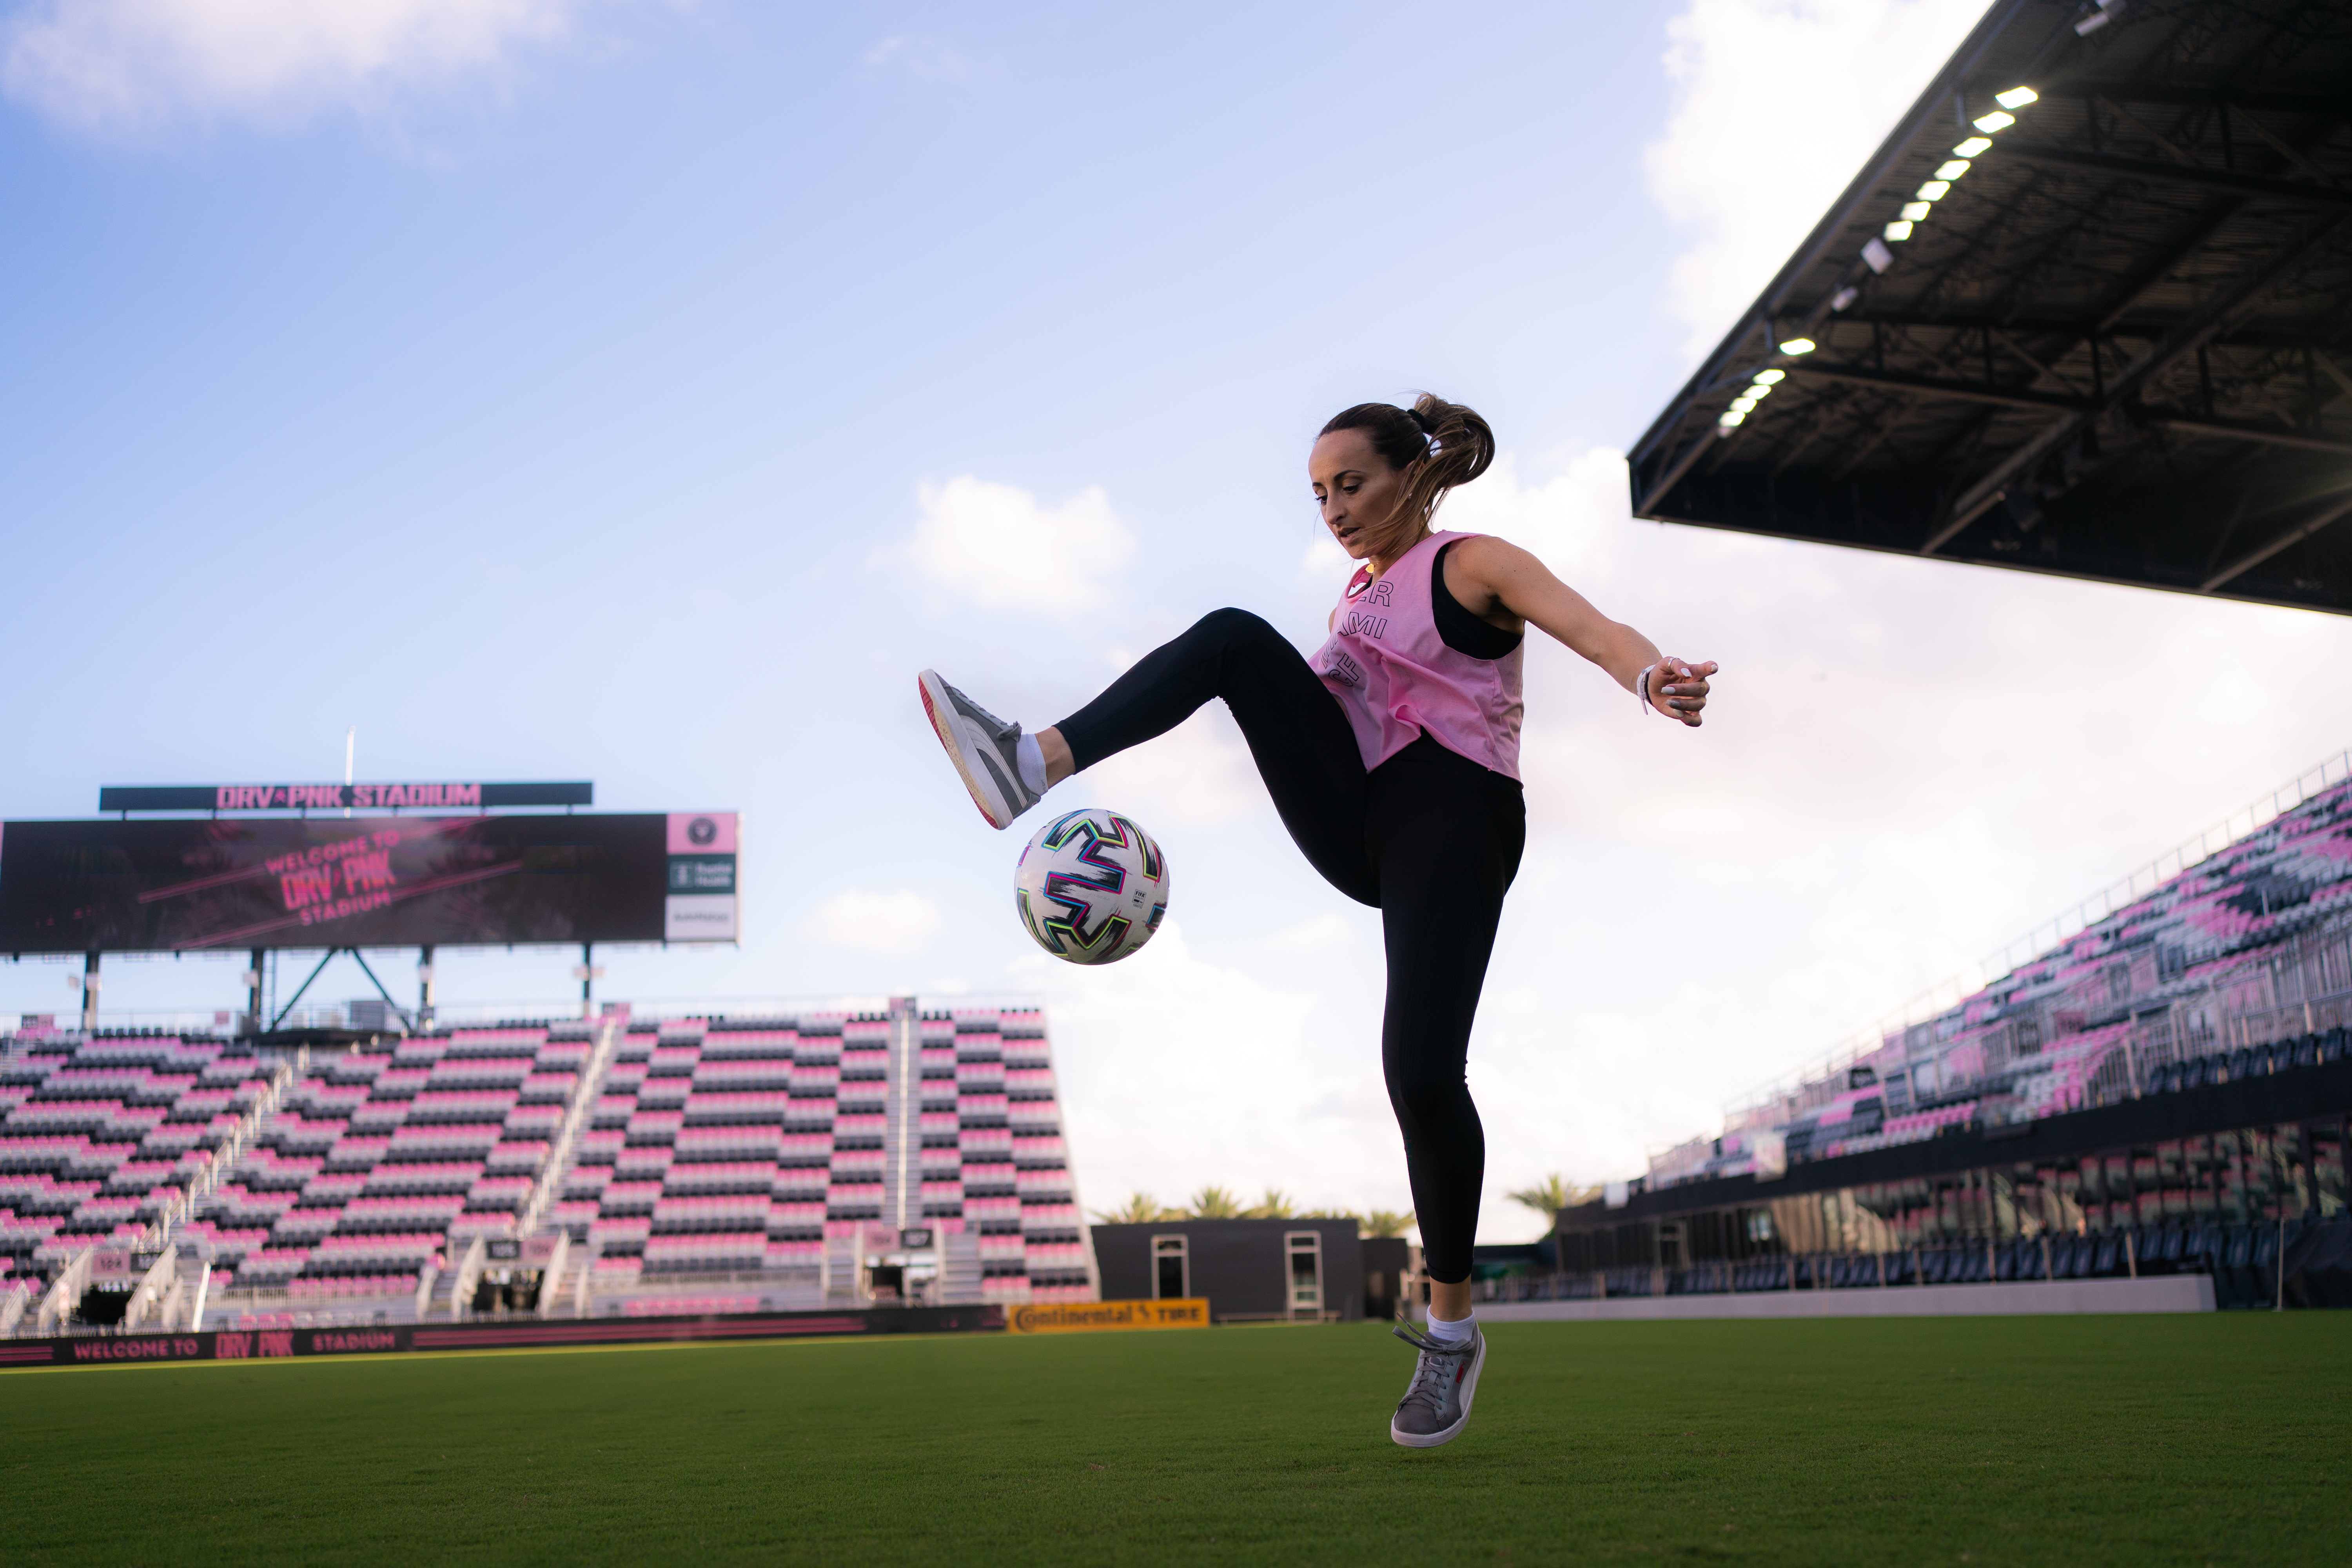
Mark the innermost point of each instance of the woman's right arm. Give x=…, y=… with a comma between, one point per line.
x=1498, y=574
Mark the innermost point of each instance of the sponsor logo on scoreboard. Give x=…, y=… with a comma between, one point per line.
x=701, y=905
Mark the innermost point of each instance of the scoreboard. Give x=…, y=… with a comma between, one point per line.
x=180, y=885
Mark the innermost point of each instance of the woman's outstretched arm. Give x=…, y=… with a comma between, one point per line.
x=1501, y=583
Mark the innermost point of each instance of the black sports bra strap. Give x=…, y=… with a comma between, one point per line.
x=1463, y=632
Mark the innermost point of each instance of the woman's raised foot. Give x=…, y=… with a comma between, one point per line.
x=986, y=750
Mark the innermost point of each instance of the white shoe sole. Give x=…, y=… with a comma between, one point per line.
x=940, y=711
x=1447, y=1435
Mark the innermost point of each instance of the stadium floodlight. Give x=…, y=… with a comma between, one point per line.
x=1899, y=230
x=2016, y=97
x=1973, y=147
x=1847, y=295
x=1766, y=377
x=1935, y=190
x=1999, y=120
x=1742, y=404
x=1953, y=170
x=2099, y=18
x=1757, y=394
x=1730, y=419
x=1915, y=212
x=1876, y=255
x=1798, y=346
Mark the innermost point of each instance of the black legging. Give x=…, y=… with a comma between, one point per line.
x=1429, y=839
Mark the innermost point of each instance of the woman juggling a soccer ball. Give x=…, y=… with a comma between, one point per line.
x=1393, y=757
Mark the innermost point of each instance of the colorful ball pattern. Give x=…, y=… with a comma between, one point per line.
x=1091, y=887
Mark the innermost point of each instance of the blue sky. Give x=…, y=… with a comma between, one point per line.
x=643, y=392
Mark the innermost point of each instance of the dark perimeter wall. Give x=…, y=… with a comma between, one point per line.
x=1240, y=1265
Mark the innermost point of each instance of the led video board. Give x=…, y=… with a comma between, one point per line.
x=180, y=885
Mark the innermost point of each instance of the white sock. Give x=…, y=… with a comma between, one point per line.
x=1032, y=757
x=1454, y=1332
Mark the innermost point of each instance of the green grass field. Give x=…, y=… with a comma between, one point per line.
x=2126, y=1440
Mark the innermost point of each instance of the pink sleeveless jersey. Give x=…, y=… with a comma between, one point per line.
x=1396, y=679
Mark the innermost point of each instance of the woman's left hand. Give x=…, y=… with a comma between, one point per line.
x=1678, y=689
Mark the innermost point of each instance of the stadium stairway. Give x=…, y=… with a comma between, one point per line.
x=584, y=1094
x=377, y=1170
x=113, y=1141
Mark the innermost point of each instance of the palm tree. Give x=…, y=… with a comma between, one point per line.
x=1387, y=1222
x=1213, y=1203
x=1275, y=1205
x=1553, y=1194
x=1141, y=1208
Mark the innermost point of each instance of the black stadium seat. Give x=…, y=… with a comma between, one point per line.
x=2265, y=1265
x=2319, y=1265
x=2236, y=1270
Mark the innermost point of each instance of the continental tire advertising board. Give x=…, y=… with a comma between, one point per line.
x=182, y=885
x=1098, y=1317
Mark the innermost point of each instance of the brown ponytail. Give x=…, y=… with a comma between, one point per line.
x=1434, y=444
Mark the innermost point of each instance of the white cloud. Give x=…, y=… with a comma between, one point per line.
x=994, y=546
x=1325, y=565
x=1321, y=934
x=1177, y=1072
x=115, y=66
x=922, y=56
x=1777, y=102
x=1907, y=763
x=874, y=922
x=1199, y=774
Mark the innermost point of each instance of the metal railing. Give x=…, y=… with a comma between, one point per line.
x=530, y=1010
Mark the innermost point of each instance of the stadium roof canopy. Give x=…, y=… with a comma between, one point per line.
x=2102, y=330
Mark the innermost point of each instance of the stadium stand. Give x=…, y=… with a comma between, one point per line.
x=2163, y=1090
x=112, y=1138
x=608, y=1167
x=2236, y=967
x=735, y=1146
x=375, y=1165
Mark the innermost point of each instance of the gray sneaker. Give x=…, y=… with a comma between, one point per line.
x=1436, y=1406
x=983, y=748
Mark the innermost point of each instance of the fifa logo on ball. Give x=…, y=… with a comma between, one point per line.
x=1091, y=887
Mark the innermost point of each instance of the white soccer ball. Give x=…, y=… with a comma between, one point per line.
x=1091, y=887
